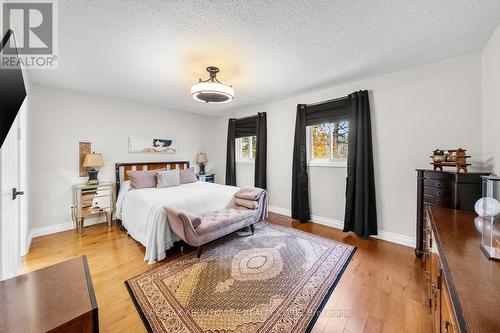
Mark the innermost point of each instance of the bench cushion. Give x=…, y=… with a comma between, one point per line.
x=218, y=220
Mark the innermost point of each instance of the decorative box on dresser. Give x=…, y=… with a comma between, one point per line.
x=444, y=189
x=92, y=199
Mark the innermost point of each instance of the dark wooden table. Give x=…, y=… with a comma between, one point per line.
x=58, y=298
x=473, y=280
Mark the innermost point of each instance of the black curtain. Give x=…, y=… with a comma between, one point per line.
x=307, y=115
x=243, y=127
x=360, y=209
x=231, y=153
x=300, y=179
x=331, y=111
x=260, y=178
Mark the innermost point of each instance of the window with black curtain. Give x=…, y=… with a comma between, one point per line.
x=360, y=212
x=254, y=127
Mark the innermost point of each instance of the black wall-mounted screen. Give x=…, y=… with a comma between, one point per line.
x=12, y=90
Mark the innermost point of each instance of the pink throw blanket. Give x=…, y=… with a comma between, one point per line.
x=249, y=193
x=250, y=204
x=254, y=194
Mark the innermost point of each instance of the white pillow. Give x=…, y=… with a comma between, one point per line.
x=168, y=178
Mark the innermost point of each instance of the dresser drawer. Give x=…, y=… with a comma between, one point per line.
x=103, y=191
x=437, y=191
x=86, y=200
x=437, y=201
x=436, y=175
x=101, y=202
x=437, y=183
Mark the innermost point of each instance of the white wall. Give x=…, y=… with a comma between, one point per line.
x=414, y=111
x=491, y=101
x=62, y=118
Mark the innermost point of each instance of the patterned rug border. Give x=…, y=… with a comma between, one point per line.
x=138, y=308
x=317, y=312
x=328, y=294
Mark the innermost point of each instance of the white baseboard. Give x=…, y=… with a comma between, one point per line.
x=396, y=238
x=279, y=210
x=52, y=229
x=382, y=234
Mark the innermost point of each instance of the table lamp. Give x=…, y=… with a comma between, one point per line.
x=92, y=161
x=201, y=159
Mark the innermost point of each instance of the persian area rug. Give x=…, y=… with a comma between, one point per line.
x=276, y=280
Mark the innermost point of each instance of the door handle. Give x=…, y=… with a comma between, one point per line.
x=15, y=193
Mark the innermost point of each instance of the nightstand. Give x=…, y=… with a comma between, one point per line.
x=92, y=199
x=208, y=177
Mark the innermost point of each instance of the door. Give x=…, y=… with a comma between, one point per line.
x=10, y=204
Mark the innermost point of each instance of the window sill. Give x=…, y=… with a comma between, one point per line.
x=326, y=164
x=245, y=162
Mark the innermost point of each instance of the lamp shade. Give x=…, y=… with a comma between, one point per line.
x=93, y=160
x=201, y=158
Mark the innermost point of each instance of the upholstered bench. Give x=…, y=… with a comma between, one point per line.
x=197, y=230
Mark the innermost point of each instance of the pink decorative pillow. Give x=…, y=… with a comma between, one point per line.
x=187, y=176
x=142, y=179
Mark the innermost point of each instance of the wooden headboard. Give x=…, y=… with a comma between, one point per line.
x=122, y=168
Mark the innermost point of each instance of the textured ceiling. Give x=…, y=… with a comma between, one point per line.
x=152, y=51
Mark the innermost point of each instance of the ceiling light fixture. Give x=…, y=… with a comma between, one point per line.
x=212, y=90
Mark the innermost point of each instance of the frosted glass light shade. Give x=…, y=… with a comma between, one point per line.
x=212, y=92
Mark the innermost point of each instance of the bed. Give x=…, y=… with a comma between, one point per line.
x=142, y=214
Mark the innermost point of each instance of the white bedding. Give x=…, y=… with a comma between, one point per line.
x=141, y=211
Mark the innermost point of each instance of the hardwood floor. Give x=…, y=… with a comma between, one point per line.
x=381, y=289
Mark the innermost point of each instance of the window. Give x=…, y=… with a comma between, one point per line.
x=328, y=143
x=246, y=149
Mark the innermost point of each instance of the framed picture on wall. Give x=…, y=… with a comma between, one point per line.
x=84, y=148
x=154, y=145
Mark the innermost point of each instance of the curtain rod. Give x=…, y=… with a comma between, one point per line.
x=328, y=101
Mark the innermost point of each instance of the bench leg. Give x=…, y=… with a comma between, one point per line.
x=251, y=228
x=200, y=248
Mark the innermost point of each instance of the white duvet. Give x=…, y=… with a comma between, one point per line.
x=141, y=211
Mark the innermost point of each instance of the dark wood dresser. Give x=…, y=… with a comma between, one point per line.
x=58, y=298
x=462, y=284
x=444, y=189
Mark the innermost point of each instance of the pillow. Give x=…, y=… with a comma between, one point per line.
x=194, y=219
x=142, y=179
x=168, y=178
x=187, y=176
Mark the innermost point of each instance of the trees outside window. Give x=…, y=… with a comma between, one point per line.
x=328, y=142
x=246, y=149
